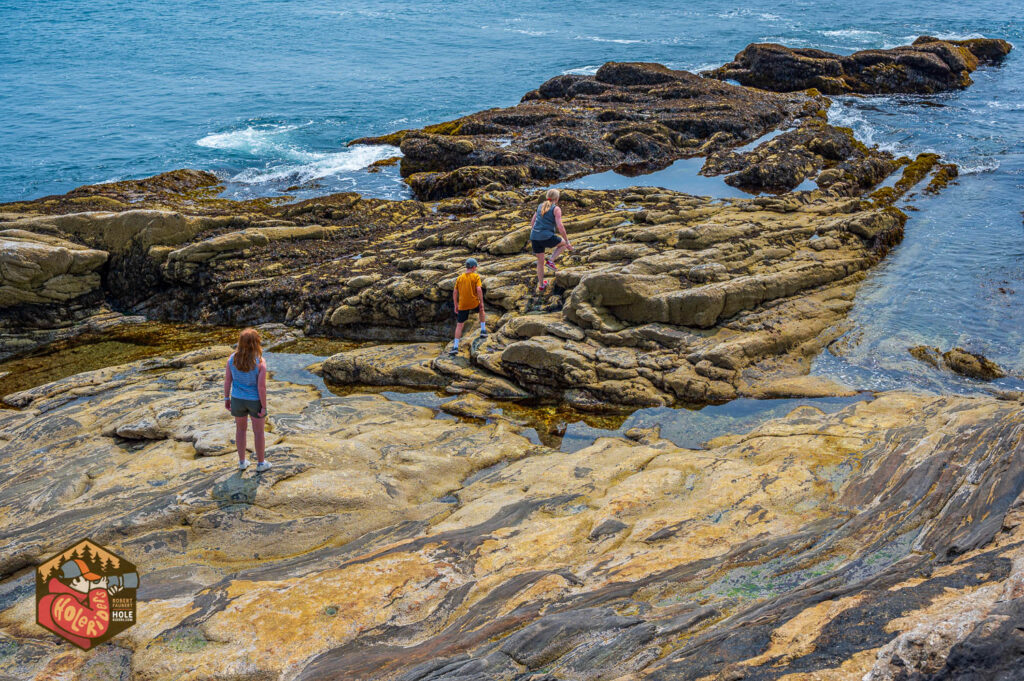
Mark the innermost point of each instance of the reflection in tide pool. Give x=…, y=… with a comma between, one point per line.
x=692, y=428
x=681, y=176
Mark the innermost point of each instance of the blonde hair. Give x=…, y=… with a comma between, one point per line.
x=550, y=199
x=249, y=351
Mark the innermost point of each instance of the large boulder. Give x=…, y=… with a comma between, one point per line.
x=41, y=269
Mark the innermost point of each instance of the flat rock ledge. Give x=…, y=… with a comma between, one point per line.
x=883, y=541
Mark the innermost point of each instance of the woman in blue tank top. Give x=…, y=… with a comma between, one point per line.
x=245, y=396
x=546, y=220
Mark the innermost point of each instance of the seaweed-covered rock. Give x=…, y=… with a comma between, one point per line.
x=960, y=361
x=928, y=65
x=624, y=115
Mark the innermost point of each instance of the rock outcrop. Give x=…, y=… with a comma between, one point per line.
x=666, y=298
x=884, y=539
x=36, y=269
x=927, y=66
x=627, y=114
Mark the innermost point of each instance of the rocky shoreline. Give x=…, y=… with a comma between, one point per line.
x=880, y=542
x=386, y=543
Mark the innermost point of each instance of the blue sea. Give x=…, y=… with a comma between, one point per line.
x=267, y=94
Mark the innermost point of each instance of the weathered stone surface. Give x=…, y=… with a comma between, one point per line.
x=41, y=269
x=627, y=114
x=882, y=539
x=815, y=150
x=929, y=65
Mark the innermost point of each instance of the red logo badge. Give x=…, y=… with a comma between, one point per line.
x=86, y=594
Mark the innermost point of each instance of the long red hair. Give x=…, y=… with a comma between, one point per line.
x=249, y=350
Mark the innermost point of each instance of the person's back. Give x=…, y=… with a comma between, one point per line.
x=245, y=395
x=544, y=225
x=467, y=285
x=244, y=383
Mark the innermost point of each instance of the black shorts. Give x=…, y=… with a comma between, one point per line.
x=541, y=246
x=241, y=408
x=462, y=315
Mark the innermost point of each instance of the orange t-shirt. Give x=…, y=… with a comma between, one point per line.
x=466, y=285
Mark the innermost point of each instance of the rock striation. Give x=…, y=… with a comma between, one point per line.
x=927, y=66
x=884, y=539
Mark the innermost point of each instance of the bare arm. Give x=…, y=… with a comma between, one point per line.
x=560, y=226
x=533, y=220
x=455, y=297
x=480, y=295
x=227, y=386
x=261, y=383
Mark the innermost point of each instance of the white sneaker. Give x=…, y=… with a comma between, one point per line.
x=265, y=466
x=242, y=465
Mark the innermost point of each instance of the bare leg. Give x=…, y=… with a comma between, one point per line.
x=259, y=438
x=540, y=269
x=458, y=329
x=559, y=249
x=240, y=437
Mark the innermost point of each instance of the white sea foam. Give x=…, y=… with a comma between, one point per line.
x=259, y=141
x=736, y=13
x=783, y=40
x=950, y=36
x=524, y=31
x=852, y=33
x=599, y=39
x=588, y=70
x=984, y=165
x=849, y=117
x=319, y=165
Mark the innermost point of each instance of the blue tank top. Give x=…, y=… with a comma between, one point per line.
x=544, y=227
x=243, y=383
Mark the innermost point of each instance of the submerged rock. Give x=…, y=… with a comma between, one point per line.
x=881, y=539
x=928, y=65
x=959, y=361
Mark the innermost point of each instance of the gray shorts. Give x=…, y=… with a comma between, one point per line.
x=243, y=408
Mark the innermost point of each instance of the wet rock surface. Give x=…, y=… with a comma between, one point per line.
x=881, y=539
x=960, y=361
x=928, y=65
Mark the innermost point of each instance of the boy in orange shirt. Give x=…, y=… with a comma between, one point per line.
x=468, y=295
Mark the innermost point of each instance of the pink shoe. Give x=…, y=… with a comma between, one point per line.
x=551, y=265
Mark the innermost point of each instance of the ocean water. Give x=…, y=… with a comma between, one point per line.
x=267, y=94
